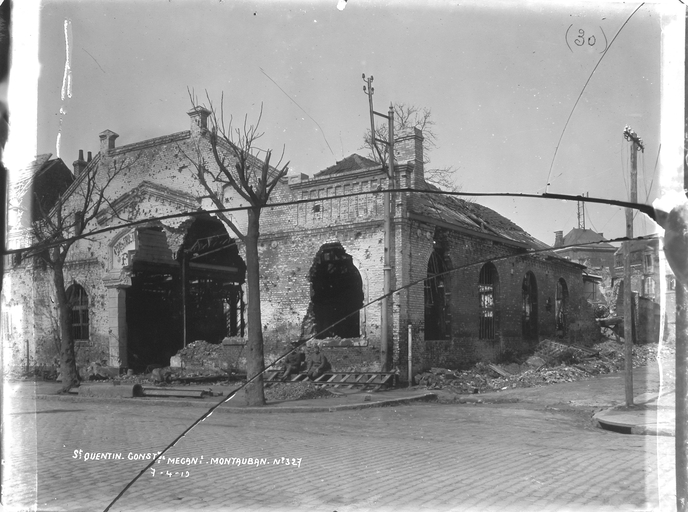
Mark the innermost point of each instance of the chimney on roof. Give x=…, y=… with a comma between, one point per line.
x=199, y=120
x=89, y=157
x=558, y=238
x=408, y=147
x=107, y=141
x=79, y=164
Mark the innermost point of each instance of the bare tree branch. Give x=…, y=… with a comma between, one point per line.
x=410, y=116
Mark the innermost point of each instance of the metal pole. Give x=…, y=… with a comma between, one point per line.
x=386, y=353
x=636, y=145
x=410, y=355
x=388, y=211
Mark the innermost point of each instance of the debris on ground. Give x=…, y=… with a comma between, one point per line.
x=552, y=362
x=295, y=391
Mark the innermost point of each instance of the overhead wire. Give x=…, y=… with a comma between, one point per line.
x=566, y=124
x=644, y=208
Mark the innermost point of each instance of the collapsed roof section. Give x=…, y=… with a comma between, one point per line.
x=449, y=209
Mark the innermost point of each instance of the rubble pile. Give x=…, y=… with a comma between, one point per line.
x=200, y=359
x=200, y=353
x=549, y=365
x=295, y=391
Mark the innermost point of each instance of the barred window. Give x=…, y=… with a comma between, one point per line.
x=78, y=300
x=487, y=289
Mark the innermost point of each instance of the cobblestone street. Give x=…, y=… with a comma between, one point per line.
x=414, y=457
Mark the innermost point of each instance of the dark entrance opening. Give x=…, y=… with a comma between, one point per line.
x=205, y=281
x=437, y=295
x=336, y=291
x=530, y=307
x=154, y=323
x=561, y=310
x=214, y=276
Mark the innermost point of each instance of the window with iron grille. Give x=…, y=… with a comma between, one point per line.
x=78, y=301
x=487, y=288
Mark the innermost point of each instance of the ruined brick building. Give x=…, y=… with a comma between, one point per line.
x=654, y=286
x=471, y=287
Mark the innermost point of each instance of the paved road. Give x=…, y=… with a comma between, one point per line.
x=416, y=457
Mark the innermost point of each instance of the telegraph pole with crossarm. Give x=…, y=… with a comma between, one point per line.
x=385, y=310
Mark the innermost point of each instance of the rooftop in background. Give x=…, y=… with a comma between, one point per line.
x=578, y=236
x=352, y=162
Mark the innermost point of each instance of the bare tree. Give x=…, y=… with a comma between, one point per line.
x=54, y=231
x=238, y=163
x=410, y=116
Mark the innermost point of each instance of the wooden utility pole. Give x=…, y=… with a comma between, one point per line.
x=681, y=383
x=636, y=145
x=388, y=205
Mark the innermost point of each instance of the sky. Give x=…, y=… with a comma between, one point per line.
x=523, y=95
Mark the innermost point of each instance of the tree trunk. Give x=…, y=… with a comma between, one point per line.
x=70, y=376
x=255, y=363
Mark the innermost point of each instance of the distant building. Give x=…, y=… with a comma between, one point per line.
x=652, y=280
x=589, y=248
x=586, y=247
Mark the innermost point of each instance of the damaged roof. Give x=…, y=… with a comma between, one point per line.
x=353, y=162
x=471, y=216
x=38, y=186
x=450, y=209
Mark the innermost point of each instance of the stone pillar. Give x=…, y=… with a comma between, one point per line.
x=117, y=323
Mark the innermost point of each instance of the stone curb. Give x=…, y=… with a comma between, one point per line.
x=427, y=397
x=631, y=428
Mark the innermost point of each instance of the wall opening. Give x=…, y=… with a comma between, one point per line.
x=487, y=292
x=336, y=292
x=437, y=299
x=208, y=267
x=214, y=277
x=530, y=307
x=561, y=308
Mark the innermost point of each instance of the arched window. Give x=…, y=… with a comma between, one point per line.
x=487, y=291
x=561, y=309
x=437, y=293
x=530, y=307
x=78, y=302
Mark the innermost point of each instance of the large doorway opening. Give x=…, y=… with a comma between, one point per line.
x=530, y=307
x=172, y=301
x=336, y=293
x=213, y=274
x=153, y=304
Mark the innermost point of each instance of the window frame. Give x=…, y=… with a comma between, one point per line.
x=79, y=313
